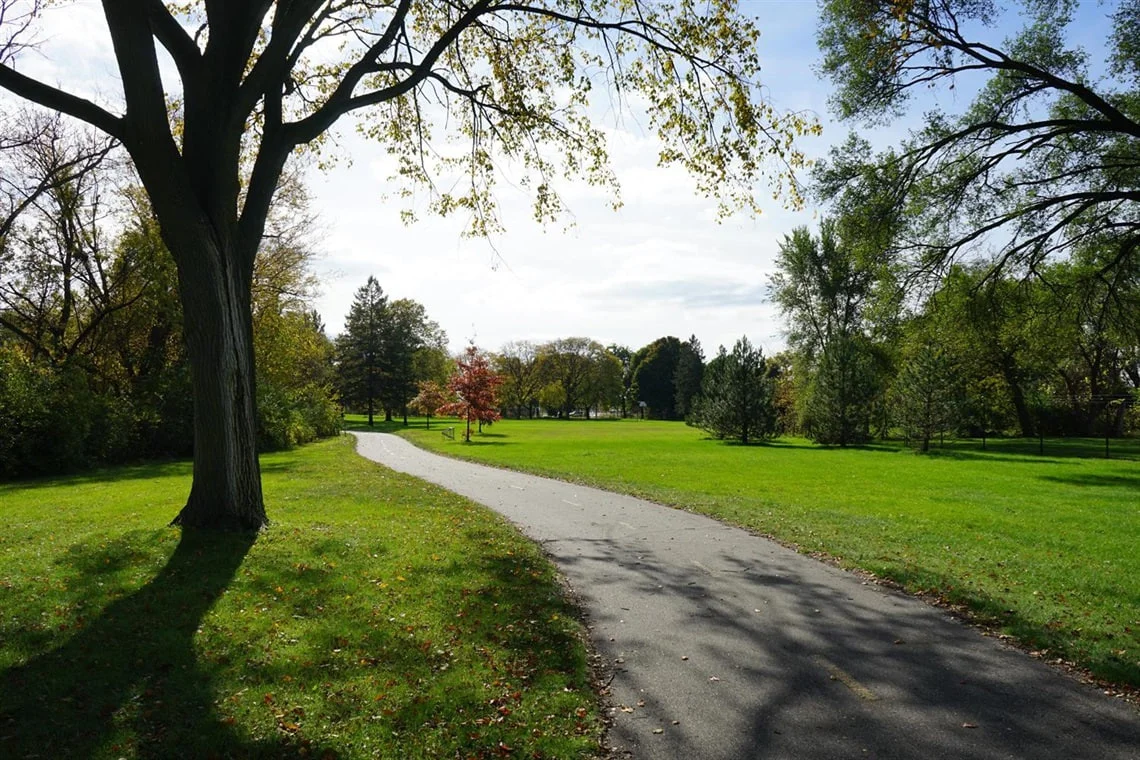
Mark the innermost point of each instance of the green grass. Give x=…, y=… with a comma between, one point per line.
x=378, y=616
x=1044, y=548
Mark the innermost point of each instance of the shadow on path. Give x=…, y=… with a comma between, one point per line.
x=814, y=669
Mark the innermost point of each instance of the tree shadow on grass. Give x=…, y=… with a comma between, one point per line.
x=801, y=445
x=380, y=425
x=476, y=440
x=130, y=677
x=148, y=471
x=1097, y=481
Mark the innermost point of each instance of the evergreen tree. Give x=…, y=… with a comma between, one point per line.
x=360, y=349
x=737, y=397
x=687, y=377
x=838, y=402
x=927, y=394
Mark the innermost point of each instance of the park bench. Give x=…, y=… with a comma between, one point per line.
x=448, y=432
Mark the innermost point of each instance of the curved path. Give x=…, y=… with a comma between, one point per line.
x=727, y=645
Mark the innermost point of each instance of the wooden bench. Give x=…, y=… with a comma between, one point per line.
x=448, y=432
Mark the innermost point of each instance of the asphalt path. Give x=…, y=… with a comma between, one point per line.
x=726, y=645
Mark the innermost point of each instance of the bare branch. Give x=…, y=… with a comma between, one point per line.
x=58, y=100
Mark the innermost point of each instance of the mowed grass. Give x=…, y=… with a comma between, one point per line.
x=378, y=617
x=1042, y=547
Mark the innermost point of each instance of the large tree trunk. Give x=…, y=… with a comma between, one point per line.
x=1017, y=396
x=226, y=493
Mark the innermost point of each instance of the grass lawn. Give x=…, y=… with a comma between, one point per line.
x=377, y=617
x=1045, y=548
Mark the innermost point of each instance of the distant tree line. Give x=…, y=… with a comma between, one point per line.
x=572, y=377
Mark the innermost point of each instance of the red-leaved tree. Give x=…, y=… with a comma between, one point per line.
x=477, y=387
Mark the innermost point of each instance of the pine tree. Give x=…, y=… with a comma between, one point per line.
x=837, y=404
x=737, y=399
x=360, y=349
x=927, y=394
x=688, y=375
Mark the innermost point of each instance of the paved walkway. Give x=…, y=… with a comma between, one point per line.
x=726, y=645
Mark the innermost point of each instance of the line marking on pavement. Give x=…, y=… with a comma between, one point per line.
x=839, y=674
x=571, y=503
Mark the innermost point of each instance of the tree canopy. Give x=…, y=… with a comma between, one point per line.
x=1045, y=157
x=475, y=389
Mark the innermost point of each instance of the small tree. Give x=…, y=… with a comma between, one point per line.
x=926, y=394
x=837, y=403
x=986, y=401
x=737, y=397
x=476, y=387
x=430, y=398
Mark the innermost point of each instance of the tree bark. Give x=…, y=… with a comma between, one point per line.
x=1017, y=396
x=226, y=492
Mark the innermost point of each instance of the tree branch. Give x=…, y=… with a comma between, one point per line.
x=175, y=40
x=58, y=100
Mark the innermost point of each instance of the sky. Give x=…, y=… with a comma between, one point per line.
x=661, y=265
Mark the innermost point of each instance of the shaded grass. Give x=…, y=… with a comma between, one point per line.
x=377, y=617
x=1041, y=547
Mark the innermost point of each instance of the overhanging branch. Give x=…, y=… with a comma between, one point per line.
x=58, y=100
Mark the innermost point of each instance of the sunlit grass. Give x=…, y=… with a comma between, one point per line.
x=1044, y=547
x=378, y=616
